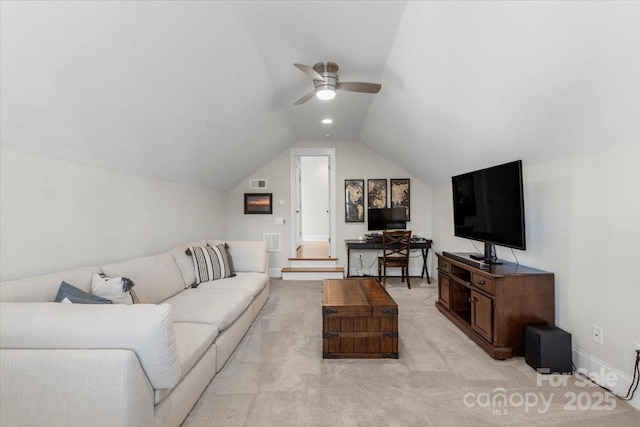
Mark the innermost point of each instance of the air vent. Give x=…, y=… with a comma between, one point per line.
x=273, y=241
x=257, y=184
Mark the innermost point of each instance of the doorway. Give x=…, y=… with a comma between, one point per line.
x=313, y=198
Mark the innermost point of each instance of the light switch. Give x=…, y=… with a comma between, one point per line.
x=281, y=202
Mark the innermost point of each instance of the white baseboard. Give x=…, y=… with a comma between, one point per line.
x=393, y=272
x=275, y=272
x=604, y=375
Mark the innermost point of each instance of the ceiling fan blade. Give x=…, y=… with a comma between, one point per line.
x=305, y=98
x=310, y=72
x=359, y=87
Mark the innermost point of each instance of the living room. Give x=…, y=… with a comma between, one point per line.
x=120, y=120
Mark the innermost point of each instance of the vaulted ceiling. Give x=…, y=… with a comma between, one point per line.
x=202, y=92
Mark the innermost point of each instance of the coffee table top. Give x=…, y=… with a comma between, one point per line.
x=356, y=297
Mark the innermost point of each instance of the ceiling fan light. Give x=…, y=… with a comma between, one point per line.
x=326, y=94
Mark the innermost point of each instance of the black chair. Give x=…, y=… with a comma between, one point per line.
x=396, y=246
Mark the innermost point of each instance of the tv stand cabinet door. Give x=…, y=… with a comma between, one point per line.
x=443, y=290
x=482, y=315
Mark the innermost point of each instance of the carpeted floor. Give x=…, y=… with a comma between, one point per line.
x=277, y=376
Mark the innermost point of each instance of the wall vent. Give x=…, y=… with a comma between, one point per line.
x=257, y=184
x=273, y=241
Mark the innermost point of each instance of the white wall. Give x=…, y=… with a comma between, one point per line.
x=354, y=160
x=583, y=224
x=252, y=227
x=315, y=198
x=56, y=214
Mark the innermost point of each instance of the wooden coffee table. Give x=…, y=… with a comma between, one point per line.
x=359, y=320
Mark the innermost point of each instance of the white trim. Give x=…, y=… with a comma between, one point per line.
x=313, y=263
x=275, y=272
x=302, y=152
x=414, y=272
x=601, y=370
x=312, y=275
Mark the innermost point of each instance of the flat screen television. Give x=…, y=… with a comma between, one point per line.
x=488, y=206
x=387, y=219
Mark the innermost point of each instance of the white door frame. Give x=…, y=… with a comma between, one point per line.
x=309, y=152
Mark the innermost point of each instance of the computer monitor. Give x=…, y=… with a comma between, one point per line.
x=387, y=219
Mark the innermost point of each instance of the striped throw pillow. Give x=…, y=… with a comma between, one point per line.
x=210, y=262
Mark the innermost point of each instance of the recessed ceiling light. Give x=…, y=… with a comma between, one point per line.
x=327, y=121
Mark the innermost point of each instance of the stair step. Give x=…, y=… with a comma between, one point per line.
x=313, y=262
x=312, y=273
x=312, y=269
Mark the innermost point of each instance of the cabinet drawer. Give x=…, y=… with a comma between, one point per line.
x=485, y=283
x=444, y=265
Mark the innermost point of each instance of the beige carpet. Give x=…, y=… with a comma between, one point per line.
x=277, y=376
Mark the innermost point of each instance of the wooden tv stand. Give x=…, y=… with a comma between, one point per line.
x=493, y=306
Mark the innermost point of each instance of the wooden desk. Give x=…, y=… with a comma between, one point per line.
x=368, y=245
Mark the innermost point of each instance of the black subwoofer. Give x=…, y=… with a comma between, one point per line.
x=547, y=349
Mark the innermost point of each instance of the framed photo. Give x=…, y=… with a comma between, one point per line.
x=401, y=195
x=258, y=203
x=354, y=200
x=377, y=193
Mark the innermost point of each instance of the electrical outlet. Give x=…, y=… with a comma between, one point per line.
x=597, y=335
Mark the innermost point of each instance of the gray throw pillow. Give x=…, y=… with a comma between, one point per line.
x=210, y=262
x=77, y=296
x=232, y=269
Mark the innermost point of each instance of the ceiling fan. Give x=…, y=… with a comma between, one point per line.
x=325, y=82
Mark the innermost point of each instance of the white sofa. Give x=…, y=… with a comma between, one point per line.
x=114, y=365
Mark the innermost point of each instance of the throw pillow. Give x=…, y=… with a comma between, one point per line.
x=231, y=267
x=210, y=262
x=70, y=294
x=117, y=289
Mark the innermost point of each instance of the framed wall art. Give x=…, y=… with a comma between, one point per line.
x=401, y=195
x=377, y=193
x=258, y=203
x=354, y=200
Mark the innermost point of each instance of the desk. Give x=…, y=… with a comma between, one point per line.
x=365, y=245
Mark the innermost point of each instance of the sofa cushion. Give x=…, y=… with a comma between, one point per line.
x=218, y=307
x=146, y=329
x=252, y=282
x=73, y=295
x=193, y=340
x=45, y=288
x=210, y=262
x=184, y=262
x=156, y=277
x=248, y=255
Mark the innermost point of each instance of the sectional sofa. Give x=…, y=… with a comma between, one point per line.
x=112, y=365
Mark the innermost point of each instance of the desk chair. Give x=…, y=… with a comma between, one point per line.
x=396, y=246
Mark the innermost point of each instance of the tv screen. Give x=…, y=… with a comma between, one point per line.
x=387, y=219
x=488, y=205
